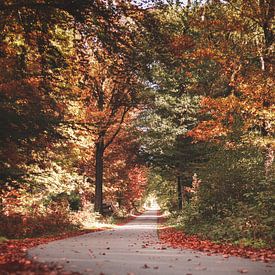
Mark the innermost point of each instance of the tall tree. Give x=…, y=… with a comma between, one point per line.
x=111, y=85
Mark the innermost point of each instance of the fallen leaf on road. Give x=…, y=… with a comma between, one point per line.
x=146, y=266
x=177, y=239
x=243, y=270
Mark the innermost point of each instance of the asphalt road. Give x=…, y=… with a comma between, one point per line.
x=134, y=249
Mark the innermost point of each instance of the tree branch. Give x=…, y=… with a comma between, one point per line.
x=126, y=109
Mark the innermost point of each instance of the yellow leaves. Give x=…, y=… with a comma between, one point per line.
x=204, y=53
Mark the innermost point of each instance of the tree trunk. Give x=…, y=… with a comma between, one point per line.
x=99, y=174
x=179, y=194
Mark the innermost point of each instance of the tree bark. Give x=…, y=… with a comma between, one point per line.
x=179, y=193
x=99, y=165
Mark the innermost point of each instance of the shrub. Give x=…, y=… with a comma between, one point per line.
x=234, y=201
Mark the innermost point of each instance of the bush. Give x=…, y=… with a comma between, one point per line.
x=74, y=202
x=234, y=201
x=54, y=220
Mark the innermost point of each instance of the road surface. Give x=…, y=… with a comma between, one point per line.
x=134, y=249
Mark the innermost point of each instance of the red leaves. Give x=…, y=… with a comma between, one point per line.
x=146, y=266
x=178, y=239
x=181, y=43
x=13, y=255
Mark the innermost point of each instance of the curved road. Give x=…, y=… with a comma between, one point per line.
x=134, y=249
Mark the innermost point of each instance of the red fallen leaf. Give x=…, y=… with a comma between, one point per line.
x=189, y=260
x=177, y=239
x=13, y=255
x=243, y=270
x=156, y=267
x=145, y=266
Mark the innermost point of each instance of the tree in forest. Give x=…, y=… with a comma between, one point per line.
x=38, y=157
x=112, y=94
x=47, y=52
x=172, y=109
x=125, y=176
x=111, y=88
x=225, y=66
x=233, y=37
x=34, y=57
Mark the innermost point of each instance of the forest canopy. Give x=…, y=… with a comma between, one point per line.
x=108, y=102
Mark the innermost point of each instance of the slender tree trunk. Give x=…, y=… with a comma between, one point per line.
x=179, y=193
x=99, y=174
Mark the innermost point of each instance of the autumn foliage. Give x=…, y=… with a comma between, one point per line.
x=105, y=102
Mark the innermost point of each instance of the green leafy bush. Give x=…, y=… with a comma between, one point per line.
x=234, y=202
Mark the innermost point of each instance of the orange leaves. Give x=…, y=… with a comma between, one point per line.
x=208, y=130
x=178, y=239
x=254, y=106
x=201, y=53
x=137, y=183
x=257, y=100
x=222, y=111
x=13, y=255
x=11, y=201
x=220, y=107
x=181, y=43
